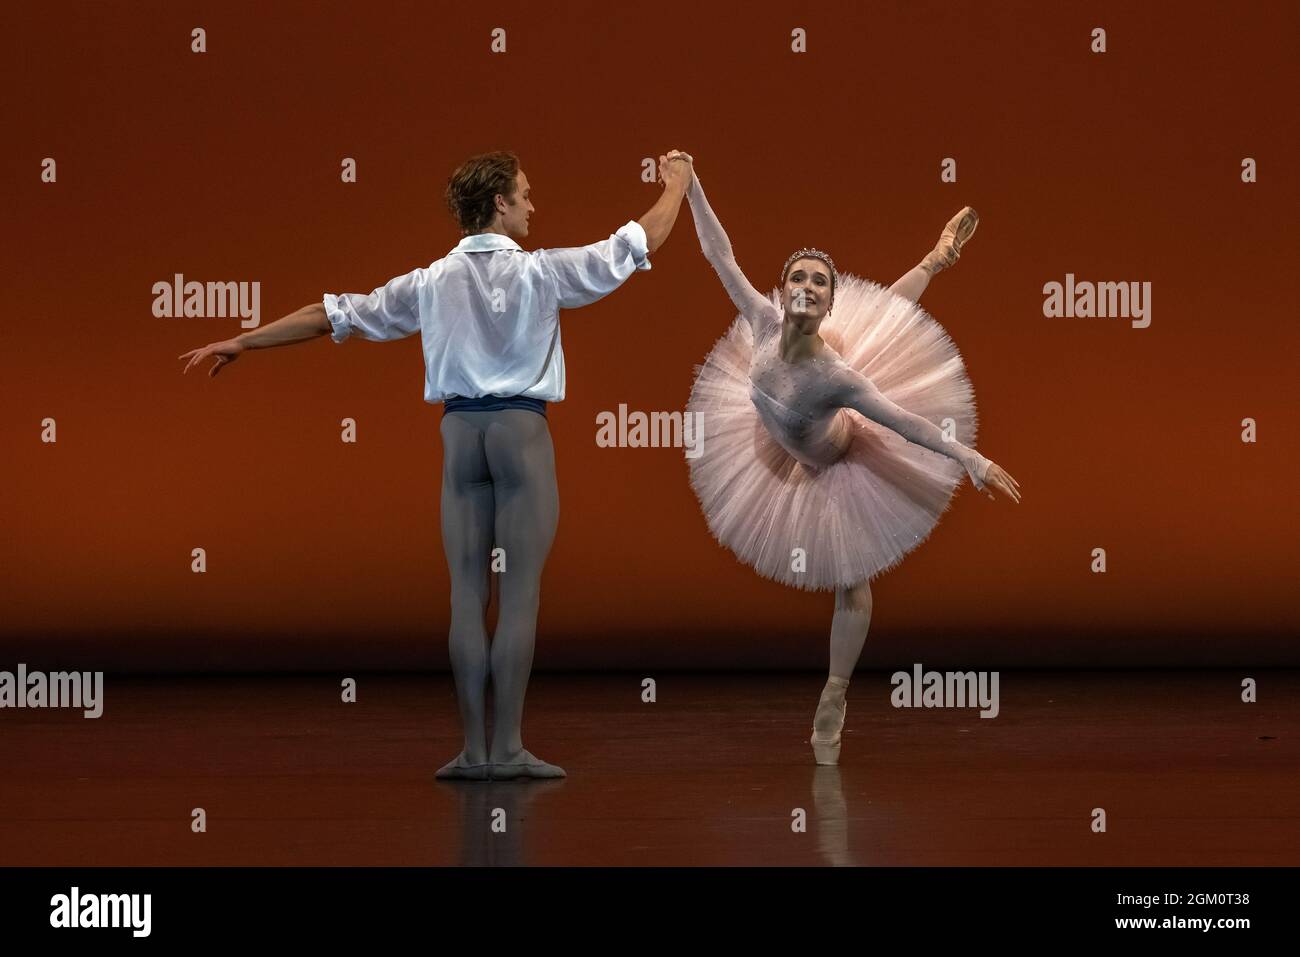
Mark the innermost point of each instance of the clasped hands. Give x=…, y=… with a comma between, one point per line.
x=675, y=168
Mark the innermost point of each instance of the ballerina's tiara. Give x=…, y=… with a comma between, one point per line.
x=810, y=254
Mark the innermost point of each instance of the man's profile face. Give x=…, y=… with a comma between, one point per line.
x=516, y=210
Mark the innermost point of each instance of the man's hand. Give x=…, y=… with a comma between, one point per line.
x=675, y=169
x=226, y=352
x=675, y=174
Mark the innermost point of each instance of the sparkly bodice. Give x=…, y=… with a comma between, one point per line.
x=796, y=400
x=806, y=405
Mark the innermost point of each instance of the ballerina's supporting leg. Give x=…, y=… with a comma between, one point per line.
x=522, y=460
x=849, y=627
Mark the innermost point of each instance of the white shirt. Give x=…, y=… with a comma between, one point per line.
x=488, y=311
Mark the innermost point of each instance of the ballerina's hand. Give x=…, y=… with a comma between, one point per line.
x=1001, y=480
x=675, y=166
x=226, y=352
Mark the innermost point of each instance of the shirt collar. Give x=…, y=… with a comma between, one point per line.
x=485, y=242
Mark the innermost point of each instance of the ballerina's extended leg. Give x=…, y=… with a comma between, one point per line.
x=946, y=252
x=912, y=283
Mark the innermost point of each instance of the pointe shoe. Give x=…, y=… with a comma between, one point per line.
x=954, y=236
x=826, y=750
x=826, y=742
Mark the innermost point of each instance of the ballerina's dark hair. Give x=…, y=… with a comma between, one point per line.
x=810, y=254
x=472, y=189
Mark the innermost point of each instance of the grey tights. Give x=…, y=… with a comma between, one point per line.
x=498, y=491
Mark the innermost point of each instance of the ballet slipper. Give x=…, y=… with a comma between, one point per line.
x=829, y=721
x=459, y=769
x=954, y=236
x=525, y=764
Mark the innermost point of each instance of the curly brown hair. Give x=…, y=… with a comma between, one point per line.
x=472, y=189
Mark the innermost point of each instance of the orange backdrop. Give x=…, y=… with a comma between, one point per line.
x=1122, y=166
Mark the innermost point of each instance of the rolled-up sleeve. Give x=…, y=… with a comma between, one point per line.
x=584, y=274
x=390, y=312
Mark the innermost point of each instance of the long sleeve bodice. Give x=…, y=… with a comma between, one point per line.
x=716, y=246
x=804, y=406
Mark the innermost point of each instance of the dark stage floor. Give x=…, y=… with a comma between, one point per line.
x=709, y=774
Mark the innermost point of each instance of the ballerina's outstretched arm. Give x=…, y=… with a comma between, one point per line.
x=859, y=393
x=753, y=305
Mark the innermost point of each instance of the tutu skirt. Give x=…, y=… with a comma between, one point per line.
x=858, y=516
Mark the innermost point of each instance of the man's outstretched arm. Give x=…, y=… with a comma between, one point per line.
x=390, y=312
x=309, y=322
x=582, y=275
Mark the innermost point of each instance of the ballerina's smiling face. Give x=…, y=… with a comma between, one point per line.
x=806, y=293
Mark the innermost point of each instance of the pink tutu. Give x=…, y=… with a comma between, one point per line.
x=859, y=516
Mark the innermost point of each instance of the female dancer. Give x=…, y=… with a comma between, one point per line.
x=794, y=484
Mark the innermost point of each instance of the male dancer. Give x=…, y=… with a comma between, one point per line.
x=488, y=316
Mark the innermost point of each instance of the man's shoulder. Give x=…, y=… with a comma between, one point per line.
x=458, y=265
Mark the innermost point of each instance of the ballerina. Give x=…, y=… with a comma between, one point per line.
x=790, y=480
